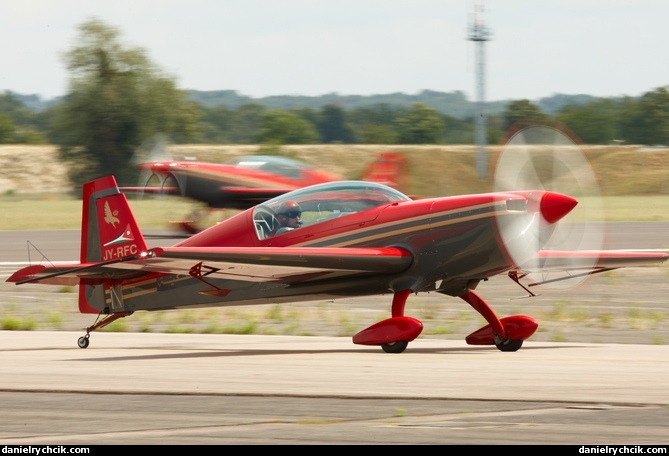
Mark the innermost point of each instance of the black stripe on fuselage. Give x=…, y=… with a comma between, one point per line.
x=417, y=225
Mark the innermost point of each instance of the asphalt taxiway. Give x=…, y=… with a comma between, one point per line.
x=137, y=388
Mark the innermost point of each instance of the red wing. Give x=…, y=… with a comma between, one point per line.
x=563, y=260
x=249, y=264
x=562, y=265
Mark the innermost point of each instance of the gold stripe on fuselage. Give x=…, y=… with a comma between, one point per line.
x=231, y=179
x=388, y=230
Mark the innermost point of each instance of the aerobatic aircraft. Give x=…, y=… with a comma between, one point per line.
x=341, y=239
x=246, y=181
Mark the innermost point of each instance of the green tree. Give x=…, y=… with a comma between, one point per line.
x=333, y=126
x=522, y=112
x=11, y=106
x=20, y=126
x=117, y=99
x=457, y=131
x=310, y=115
x=377, y=134
x=420, y=125
x=28, y=135
x=594, y=123
x=376, y=124
x=279, y=127
x=647, y=121
x=494, y=133
x=7, y=129
x=215, y=124
x=246, y=123
x=42, y=122
x=378, y=114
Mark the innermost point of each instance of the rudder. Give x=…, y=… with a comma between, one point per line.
x=109, y=231
x=389, y=168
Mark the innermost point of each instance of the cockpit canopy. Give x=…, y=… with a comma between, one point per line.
x=323, y=202
x=282, y=166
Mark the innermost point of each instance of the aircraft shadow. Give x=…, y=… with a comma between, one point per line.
x=225, y=353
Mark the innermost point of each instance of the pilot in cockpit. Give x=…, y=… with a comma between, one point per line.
x=289, y=215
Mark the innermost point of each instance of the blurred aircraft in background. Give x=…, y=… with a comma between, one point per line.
x=249, y=180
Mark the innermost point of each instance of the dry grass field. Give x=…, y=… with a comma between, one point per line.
x=35, y=192
x=433, y=170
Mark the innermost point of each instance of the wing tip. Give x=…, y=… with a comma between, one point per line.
x=26, y=273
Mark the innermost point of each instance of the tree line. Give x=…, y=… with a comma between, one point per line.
x=117, y=98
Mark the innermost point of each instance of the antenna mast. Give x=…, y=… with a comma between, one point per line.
x=479, y=34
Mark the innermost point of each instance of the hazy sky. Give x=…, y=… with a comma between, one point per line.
x=355, y=47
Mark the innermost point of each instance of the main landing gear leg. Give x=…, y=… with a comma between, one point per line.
x=399, y=301
x=83, y=341
x=392, y=334
x=507, y=334
x=397, y=310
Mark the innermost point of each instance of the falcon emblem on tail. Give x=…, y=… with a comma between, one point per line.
x=109, y=216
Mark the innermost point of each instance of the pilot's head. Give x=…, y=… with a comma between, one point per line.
x=290, y=214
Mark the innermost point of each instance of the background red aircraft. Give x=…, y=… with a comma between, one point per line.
x=357, y=238
x=249, y=180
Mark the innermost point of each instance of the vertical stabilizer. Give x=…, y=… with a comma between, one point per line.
x=108, y=231
x=389, y=168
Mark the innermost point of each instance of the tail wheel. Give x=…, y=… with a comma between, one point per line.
x=395, y=347
x=83, y=341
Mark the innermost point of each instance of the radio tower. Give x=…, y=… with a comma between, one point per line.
x=479, y=34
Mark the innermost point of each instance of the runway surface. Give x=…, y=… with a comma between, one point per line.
x=149, y=388
x=134, y=388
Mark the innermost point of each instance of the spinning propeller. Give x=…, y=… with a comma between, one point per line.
x=152, y=150
x=543, y=158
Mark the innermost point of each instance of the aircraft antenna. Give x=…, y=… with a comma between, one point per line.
x=479, y=34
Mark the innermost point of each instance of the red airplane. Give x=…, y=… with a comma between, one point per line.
x=327, y=241
x=249, y=180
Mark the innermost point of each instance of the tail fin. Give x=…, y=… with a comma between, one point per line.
x=389, y=168
x=108, y=231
